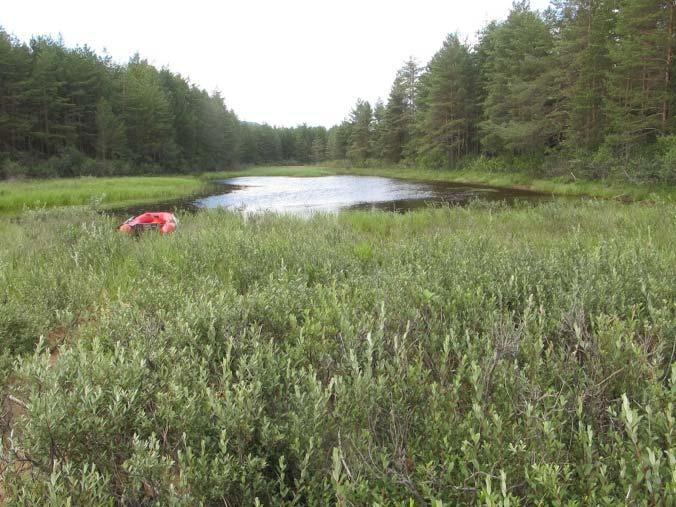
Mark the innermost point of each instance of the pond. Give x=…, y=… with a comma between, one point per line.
x=306, y=195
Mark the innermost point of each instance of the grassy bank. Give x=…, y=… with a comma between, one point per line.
x=560, y=185
x=294, y=170
x=473, y=355
x=16, y=195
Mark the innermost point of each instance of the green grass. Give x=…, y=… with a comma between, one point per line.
x=558, y=185
x=17, y=195
x=479, y=355
x=301, y=170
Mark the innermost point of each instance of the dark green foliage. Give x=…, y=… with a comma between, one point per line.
x=448, y=112
x=67, y=112
x=400, y=114
x=15, y=66
x=361, y=130
x=455, y=355
x=587, y=88
x=111, y=134
x=641, y=88
x=338, y=138
x=584, y=52
x=521, y=104
x=146, y=113
x=379, y=136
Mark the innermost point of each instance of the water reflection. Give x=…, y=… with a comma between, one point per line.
x=335, y=193
x=303, y=196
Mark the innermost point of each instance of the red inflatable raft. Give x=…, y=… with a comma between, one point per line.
x=163, y=221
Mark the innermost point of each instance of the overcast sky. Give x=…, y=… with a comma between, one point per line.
x=282, y=62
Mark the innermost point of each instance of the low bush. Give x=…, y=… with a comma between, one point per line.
x=481, y=355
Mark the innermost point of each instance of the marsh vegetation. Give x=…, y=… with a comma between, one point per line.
x=482, y=354
x=495, y=354
x=19, y=195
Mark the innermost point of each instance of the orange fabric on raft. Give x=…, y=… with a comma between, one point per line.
x=166, y=220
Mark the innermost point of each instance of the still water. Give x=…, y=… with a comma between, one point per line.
x=305, y=195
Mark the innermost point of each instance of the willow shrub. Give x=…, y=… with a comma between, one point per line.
x=481, y=355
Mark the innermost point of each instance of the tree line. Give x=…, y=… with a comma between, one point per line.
x=66, y=111
x=587, y=85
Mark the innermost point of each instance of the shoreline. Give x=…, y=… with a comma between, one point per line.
x=119, y=191
x=521, y=181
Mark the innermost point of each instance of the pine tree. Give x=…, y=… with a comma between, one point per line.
x=400, y=113
x=585, y=36
x=303, y=137
x=318, y=150
x=641, y=87
x=111, y=136
x=46, y=96
x=338, y=140
x=268, y=142
x=248, y=148
x=185, y=103
x=84, y=76
x=378, y=136
x=15, y=64
x=522, y=108
x=398, y=126
x=447, y=113
x=147, y=115
x=361, y=120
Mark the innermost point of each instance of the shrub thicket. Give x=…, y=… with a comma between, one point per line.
x=480, y=355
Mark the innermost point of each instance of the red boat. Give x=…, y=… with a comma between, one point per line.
x=163, y=221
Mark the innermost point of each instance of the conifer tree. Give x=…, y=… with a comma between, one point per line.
x=361, y=120
x=15, y=65
x=585, y=36
x=378, y=138
x=641, y=87
x=400, y=113
x=338, y=140
x=111, y=136
x=46, y=96
x=447, y=114
x=397, y=128
x=147, y=114
x=522, y=108
x=84, y=75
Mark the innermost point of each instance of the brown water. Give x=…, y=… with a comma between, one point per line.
x=302, y=196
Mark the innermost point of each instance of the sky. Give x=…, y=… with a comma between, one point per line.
x=283, y=62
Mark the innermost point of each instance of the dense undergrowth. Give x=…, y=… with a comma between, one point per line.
x=478, y=355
